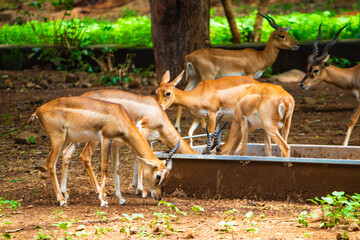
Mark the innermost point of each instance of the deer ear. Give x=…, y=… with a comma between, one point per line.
x=166, y=77
x=287, y=28
x=327, y=58
x=178, y=78
x=143, y=161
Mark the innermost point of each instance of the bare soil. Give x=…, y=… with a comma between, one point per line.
x=321, y=117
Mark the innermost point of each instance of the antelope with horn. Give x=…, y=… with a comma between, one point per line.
x=213, y=63
x=82, y=119
x=153, y=124
x=265, y=106
x=208, y=99
x=320, y=70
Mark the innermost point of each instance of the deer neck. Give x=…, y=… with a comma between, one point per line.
x=339, y=77
x=269, y=54
x=187, y=99
x=170, y=137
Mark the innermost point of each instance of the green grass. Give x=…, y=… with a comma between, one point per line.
x=134, y=30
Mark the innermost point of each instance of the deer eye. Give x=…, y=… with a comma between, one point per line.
x=282, y=36
x=158, y=177
x=168, y=94
x=316, y=71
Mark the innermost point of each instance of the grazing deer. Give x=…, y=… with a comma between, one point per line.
x=208, y=99
x=264, y=106
x=213, y=63
x=82, y=119
x=320, y=70
x=150, y=119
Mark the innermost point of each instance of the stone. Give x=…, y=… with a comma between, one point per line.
x=307, y=129
x=26, y=138
x=316, y=215
x=135, y=83
x=310, y=100
x=354, y=227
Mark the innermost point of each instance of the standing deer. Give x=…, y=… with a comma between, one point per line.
x=264, y=106
x=320, y=70
x=208, y=99
x=82, y=119
x=153, y=124
x=213, y=63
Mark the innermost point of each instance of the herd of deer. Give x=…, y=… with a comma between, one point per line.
x=115, y=117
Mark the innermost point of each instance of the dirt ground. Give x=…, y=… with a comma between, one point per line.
x=321, y=117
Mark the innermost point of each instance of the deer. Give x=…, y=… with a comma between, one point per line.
x=212, y=63
x=149, y=118
x=208, y=99
x=320, y=70
x=83, y=119
x=265, y=106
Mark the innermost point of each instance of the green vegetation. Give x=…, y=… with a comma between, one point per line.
x=136, y=30
x=337, y=209
x=12, y=204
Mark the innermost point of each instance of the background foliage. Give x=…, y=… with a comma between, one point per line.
x=133, y=30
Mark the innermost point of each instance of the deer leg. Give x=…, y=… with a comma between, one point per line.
x=105, y=151
x=276, y=137
x=244, y=132
x=286, y=128
x=178, y=118
x=67, y=154
x=57, y=146
x=354, y=119
x=85, y=157
x=193, y=126
x=212, y=121
x=267, y=145
x=234, y=138
x=116, y=162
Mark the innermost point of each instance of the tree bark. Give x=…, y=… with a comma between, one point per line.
x=178, y=27
x=232, y=23
x=263, y=8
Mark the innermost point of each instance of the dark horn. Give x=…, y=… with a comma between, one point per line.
x=207, y=149
x=270, y=20
x=173, y=151
x=328, y=47
x=316, y=49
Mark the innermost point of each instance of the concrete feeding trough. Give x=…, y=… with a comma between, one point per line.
x=312, y=170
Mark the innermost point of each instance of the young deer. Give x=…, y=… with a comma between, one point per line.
x=150, y=119
x=82, y=119
x=208, y=99
x=320, y=70
x=213, y=63
x=264, y=106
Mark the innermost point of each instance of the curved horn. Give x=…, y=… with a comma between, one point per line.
x=173, y=151
x=270, y=20
x=328, y=47
x=316, y=49
x=207, y=149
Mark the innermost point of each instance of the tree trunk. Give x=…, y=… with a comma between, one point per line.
x=230, y=17
x=178, y=27
x=263, y=8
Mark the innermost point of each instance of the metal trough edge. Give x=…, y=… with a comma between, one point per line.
x=262, y=177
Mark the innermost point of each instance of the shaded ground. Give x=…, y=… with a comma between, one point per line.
x=321, y=117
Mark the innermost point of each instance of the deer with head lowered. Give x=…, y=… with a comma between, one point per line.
x=208, y=99
x=149, y=118
x=320, y=70
x=265, y=106
x=82, y=119
x=213, y=63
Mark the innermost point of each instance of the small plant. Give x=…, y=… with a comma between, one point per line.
x=303, y=218
x=198, y=210
x=128, y=219
x=172, y=207
x=249, y=221
x=8, y=204
x=337, y=209
x=65, y=226
x=102, y=215
x=32, y=140
x=42, y=235
x=229, y=221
